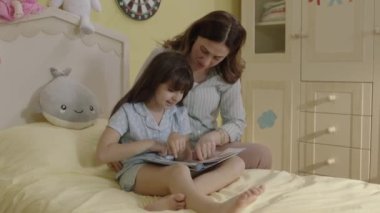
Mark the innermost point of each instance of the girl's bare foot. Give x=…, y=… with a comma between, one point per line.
x=169, y=202
x=238, y=203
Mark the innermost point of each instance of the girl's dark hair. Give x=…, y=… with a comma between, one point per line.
x=218, y=26
x=167, y=67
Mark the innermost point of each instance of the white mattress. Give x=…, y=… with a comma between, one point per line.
x=44, y=168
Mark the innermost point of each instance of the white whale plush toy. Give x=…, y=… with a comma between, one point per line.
x=82, y=8
x=67, y=103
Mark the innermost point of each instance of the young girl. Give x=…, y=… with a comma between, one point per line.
x=150, y=119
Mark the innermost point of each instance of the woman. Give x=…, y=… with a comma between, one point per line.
x=212, y=45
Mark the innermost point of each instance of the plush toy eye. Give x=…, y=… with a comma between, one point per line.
x=92, y=109
x=63, y=108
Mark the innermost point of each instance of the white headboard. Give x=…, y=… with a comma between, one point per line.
x=30, y=46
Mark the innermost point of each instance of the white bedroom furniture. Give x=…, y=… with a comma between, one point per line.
x=311, y=84
x=45, y=168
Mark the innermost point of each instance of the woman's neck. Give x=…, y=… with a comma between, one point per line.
x=200, y=76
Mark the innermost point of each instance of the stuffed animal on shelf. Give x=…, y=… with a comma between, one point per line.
x=67, y=103
x=17, y=7
x=82, y=8
x=14, y=9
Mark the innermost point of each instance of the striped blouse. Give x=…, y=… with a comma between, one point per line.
x=206, y=100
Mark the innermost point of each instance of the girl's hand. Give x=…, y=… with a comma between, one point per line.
x=206, y=145
x=155, y=146
x=177, y=143
x=115, y=166
x=160, y=148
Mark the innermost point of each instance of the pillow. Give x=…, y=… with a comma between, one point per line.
x=45, y=168
x=42, y=145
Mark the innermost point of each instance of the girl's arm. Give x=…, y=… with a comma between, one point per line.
x=110, y=150
x=179, y=146
x=186, y=154
x=179, y=141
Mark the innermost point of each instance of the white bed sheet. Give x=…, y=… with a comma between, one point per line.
x=44, y=168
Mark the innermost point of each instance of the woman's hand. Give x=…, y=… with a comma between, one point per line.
x=206, y=145
x=177, y=144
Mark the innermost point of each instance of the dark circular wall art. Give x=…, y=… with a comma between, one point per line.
x=139, y=9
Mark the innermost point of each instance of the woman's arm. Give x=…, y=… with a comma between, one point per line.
x=232, y=113
x=233, y=118
x=110, y=150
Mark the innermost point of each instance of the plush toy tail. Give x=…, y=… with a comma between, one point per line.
x=56, y=73
x=18, y=9
x=85, y=25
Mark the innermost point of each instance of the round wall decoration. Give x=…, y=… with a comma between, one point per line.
x=139, y=9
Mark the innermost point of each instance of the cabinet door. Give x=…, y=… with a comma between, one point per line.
x=375, y=146
x=273, y=38
x=337, y=40
x=271, y=77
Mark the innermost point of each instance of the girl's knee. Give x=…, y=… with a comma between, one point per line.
x=237, y=164
x=178, y=170
x=238, y=161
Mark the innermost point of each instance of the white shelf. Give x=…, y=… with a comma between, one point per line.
x=270, y=23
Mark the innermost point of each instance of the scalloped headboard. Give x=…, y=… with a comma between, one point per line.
x=30, y=46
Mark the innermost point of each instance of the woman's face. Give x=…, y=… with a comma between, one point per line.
x=206, y=54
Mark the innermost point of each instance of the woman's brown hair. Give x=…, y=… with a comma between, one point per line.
x=218, y=26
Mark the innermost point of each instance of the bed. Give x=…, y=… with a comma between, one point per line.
x=45, y=168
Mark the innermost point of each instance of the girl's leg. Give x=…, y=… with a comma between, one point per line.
x=255, y=156
x=207, y=183
x=176, y=179
x=169, y=202
x=230, y=170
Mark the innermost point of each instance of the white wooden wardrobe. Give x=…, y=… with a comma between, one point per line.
x=311, y=85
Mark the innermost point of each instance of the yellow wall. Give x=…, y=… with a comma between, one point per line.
x=172, y=18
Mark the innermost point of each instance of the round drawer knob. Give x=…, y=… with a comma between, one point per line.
x=330, y=161
x=295, y=35
x=377, y=30
x=331, y=97
x=331, y=129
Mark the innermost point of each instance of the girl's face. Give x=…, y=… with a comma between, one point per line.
x=206, y=54
x=165, y=97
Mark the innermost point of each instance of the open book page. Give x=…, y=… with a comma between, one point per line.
x=197, y=165
x=222, y=155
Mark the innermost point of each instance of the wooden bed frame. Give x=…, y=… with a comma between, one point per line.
x=31, y=45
